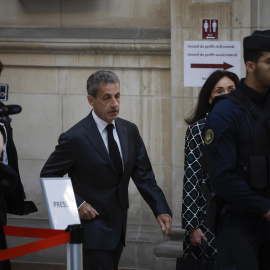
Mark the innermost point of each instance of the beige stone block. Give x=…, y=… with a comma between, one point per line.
x=264, y=9
x=29, y=80
x=129, y=255
x=37, y=127
x=242, y=11
x=72, y=81
x=110, y=61
x=66, y=60
x=163, y=175
x=129, y=83
x=115, y=13
x=146, y=215
x=75, y=108
x=146, y=254
x=155, y=61
x=184, y=10
x=180, y=108
x=177, y=192
x=22, y=60
x=30, y=175
x=156, y=128
x=139, y=211
x=126, y=61
x=130, y=109
x=30, y=13
x=104, y=60
x=135, y=204
x=87, y=60
x=156, y=82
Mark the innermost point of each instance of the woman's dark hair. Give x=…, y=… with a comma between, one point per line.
x=1, y=67
x=203, y=105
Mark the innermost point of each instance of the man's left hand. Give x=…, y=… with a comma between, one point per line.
x=165, y=223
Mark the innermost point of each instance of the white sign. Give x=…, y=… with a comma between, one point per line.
x=60, y=202
x=201, y=58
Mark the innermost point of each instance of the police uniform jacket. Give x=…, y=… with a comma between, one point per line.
x=229, y=137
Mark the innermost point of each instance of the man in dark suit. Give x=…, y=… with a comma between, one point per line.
x=100, y=184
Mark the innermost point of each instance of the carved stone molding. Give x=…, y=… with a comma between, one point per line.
x=85, y=41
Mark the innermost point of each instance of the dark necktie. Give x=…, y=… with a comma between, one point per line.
x=114, y=150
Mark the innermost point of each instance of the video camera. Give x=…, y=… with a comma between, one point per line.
x=7, y=110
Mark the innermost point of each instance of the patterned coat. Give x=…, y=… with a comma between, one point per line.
x=193, y=206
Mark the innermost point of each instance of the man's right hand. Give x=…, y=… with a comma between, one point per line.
x=87, y=212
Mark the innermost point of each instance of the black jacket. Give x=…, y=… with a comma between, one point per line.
x=12, y=193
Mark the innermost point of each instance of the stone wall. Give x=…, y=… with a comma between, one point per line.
x=50, y=47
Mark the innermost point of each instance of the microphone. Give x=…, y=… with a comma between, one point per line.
x=10, y=109
x=6, y=110
x=13, y=109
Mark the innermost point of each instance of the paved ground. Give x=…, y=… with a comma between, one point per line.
x=31, y=266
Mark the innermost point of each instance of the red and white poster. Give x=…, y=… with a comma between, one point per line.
x=209, y=29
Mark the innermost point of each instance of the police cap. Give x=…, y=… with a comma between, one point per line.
x=259, y=40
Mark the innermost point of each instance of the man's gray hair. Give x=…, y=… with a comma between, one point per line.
x=101, y=76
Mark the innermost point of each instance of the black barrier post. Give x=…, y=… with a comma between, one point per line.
x=74, y=247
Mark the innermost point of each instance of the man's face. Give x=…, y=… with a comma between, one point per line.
x=106, y=104
x=262, y=70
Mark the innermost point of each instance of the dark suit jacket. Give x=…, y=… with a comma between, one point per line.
x=82, y=154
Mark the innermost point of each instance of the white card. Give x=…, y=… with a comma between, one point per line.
x=60, y=201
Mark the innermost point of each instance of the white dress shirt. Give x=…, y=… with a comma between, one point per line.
x=101, y=124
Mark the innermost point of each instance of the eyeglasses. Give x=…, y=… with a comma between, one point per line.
x=266, y=62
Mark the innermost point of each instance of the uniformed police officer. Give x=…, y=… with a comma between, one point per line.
x=237, y=152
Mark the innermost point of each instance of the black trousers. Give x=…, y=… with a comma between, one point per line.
x=102, y=259
x=243, y=241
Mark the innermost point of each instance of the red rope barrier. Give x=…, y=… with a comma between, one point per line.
x=52, y=238
x=31, y=232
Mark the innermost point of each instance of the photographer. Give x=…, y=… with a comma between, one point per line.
x=11, y=190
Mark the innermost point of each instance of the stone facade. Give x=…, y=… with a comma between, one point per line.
x=50, y=47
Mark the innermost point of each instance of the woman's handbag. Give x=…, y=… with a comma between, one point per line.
x=203, y=263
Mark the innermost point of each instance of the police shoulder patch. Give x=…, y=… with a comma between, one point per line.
x=209, y=136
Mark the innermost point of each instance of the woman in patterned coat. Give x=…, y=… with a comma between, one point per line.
x=193, y=206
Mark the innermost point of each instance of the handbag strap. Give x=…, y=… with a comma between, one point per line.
x=204, y=257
